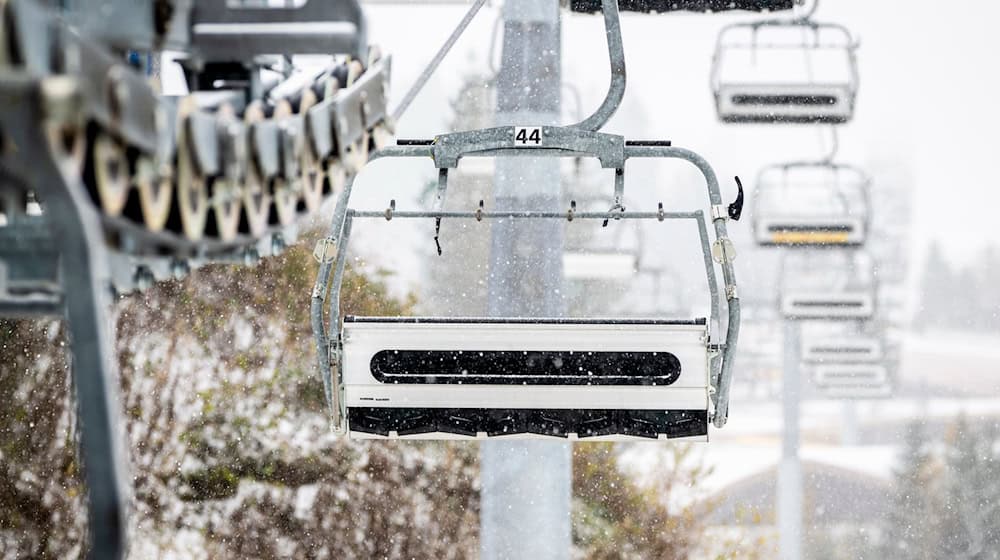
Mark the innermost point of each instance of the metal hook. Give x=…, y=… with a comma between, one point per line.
x=390, y=210
x=736, y=208
x=479, y=212
x=572, y=211
x=616, y=206
x=660, y=214
x=437, y=234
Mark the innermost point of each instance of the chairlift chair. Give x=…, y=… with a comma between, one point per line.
x=852, y=381
x=785, y=71
x=825, y=285
x=532, y=377
x=435, y=377
x=836, y=349
x=810, y=205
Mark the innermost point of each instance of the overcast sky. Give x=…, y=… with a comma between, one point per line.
x=928, y=108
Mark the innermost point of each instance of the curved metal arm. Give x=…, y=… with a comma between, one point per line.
x=325, y=355
x=723, y=374
x=616, y=52
x=851, y=43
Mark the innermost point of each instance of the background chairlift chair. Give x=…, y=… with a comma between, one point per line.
x=841, y=350
x=482, y=377
x=805, y=204
x=827, y=285
x=842, y=343
x=852, y=381
x=785, y=71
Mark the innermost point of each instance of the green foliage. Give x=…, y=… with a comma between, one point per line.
x=616, y=517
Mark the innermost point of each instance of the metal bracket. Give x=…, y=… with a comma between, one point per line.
x=609, y=149
x=719, y=212
x=326, y=250
x=723, y=251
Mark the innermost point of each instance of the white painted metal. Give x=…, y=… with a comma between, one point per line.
x=883, y=391
x=841, y=349
x=687, y=342
x=849, y=376
x=840, y=110
x=827, y=305
x=599, y=266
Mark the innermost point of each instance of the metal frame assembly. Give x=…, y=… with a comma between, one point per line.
x=465, y=377
x=797, y=99
x=107, y=186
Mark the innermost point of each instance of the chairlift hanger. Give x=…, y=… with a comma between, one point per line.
x=429, y=377
x=794, y=101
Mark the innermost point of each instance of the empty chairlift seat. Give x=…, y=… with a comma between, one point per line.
x=824, y=285
x=852, y=381
x=796, y=71
x=443, y=378
x=429, y=377
x=857, y=349
x=811, y=205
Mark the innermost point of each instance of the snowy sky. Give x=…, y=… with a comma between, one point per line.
x=927, y=112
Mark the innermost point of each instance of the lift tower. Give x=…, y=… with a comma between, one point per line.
x=526, y=484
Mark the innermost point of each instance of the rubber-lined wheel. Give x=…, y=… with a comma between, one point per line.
x=111, y=174
x=192, y=192
x=336, y=177
x=227, y=209
x=286, y=192
x=256, y=193
x=286, y=202
x=68, y=147
x=356, y=155
x=312, y=169
x=155, y=194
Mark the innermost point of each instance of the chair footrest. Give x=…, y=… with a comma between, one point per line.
x=476, y=422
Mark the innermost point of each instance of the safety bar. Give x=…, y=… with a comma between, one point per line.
x=863, y=186
x=850, y=44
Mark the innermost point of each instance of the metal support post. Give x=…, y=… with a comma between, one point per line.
x=526, y=485
x=790, y=469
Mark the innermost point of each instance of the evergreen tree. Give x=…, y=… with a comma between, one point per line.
x=938, y=298
x=971, y=508
x=911, y=529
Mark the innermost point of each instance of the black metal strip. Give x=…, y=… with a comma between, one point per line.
x=783, y=99
x=523, y=321
x=503, y=367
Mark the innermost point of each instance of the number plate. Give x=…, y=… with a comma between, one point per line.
x=528, y=136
